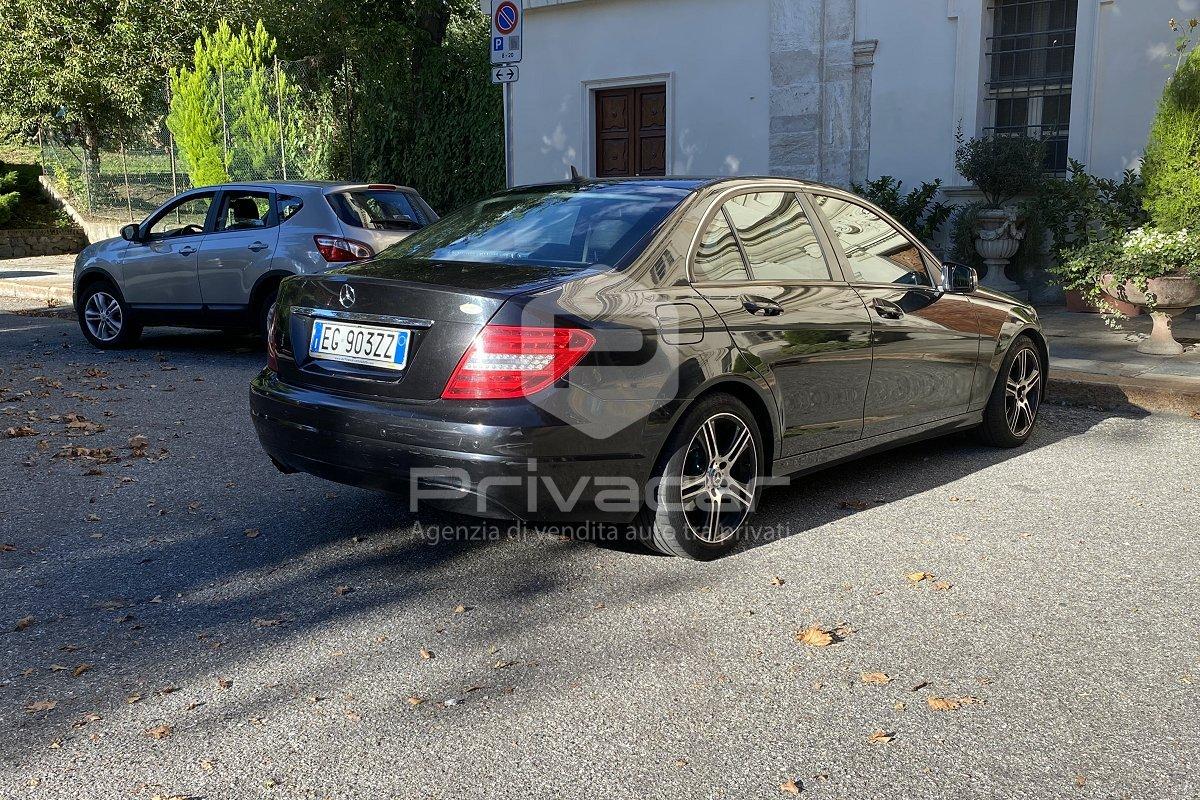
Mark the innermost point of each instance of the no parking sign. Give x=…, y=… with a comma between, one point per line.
x=507, y=21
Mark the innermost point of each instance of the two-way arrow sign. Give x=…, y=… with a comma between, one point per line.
x=505, y=74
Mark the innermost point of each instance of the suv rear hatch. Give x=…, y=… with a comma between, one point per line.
x=442, y=306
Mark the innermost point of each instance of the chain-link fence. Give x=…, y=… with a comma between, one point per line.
x=284, y=121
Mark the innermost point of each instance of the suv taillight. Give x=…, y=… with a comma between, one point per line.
x=507, y=361
x=337, y=250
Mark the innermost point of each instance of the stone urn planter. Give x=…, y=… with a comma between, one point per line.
x=1165, y=298
x=997, y=239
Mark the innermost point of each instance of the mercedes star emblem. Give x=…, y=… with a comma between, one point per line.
x=346, y=295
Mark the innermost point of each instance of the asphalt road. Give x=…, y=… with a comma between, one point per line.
x=194, y=624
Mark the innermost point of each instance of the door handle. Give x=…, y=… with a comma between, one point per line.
x=186, y=250
x=257, y=246
x=887, y=309
x=761, y=306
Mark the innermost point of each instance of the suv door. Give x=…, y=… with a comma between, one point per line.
x=160, y=270
x=239, y=249
x=925, y=342
x=762, y=265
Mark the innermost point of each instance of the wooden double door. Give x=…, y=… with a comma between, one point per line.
x=631, y=131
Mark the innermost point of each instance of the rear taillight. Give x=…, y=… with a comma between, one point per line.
x=507, y=361
x=272, y=347
x=337, y=250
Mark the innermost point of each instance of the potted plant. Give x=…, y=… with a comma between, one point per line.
x=1157, y=271
x=1081, y=208
x=1002, y=168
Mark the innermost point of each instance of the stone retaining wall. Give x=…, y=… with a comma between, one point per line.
x=22, y=243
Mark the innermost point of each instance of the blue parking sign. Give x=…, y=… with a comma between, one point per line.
x=497, y=43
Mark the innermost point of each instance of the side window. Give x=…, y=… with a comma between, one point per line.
x=286, y=206
x=719, y=257
x=779, y=241
x=184, y=218
x=242, y=210
x=876, y=251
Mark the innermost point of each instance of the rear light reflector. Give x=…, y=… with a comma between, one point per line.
x=337, y=250
x=508, y=361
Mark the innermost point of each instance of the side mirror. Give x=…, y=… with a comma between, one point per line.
x=131, y=233
x=959, y=278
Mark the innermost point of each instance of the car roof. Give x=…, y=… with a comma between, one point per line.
x=689, y=182
x=326, y=186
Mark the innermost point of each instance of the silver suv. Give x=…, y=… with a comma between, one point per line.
x=213, y=257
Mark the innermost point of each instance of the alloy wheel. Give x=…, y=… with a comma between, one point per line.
x=720, y=472
x=1022, y=392
x=103, y=316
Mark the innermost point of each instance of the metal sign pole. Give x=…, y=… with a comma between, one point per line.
x=508, y=153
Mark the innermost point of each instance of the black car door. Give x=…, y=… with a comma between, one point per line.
x=762, y=265
x=925, y=342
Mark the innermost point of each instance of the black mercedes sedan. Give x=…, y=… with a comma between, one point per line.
x=646, y=352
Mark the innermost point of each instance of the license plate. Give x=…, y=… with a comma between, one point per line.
x=359, y=344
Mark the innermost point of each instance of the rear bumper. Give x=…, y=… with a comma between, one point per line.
x=509, y=460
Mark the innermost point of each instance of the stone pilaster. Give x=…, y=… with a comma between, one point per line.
x=820, y=92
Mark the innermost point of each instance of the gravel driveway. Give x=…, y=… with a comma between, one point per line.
x=181, y=620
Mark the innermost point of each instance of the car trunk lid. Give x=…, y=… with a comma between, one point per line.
x=443, y=306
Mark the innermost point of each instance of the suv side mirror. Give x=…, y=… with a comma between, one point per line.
x=959, y=278
x=131, y=233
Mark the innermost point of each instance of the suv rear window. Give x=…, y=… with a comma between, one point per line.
x=380, y=209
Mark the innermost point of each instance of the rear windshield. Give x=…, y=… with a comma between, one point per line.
x=381, y=209
x=563, y=227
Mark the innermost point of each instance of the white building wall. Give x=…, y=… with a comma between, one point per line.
x=721, y=58
x=1134, y=49
x=712, y=54
x=930, y=67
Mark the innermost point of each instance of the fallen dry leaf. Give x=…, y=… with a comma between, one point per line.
x=82, y=668
x=160, y=731
x=880, y=737
x=259, y=622
x=950, y=703
x=877, y=678
x=460, y=609
x=789, y=787
x=413, y=700
x=815, y=636
x=917, y=577
x=252, y=533
x=342, y=591
x=776, y=580
x=224, y=683
x=23, y=430
x=942, y=586
x=426, y=654
x=41, y=705
x=24, y=622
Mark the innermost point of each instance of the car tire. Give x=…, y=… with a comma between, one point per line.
x=262, y=314
x=715, y=456
x=1011, y=413
x=105, y=319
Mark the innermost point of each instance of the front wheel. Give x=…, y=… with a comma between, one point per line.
x=104, y=318
x=707, y=481
x=1012, y=409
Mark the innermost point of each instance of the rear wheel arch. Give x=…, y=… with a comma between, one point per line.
x=267, y=283
x=755, y=399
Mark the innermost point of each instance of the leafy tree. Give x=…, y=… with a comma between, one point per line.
x=224, y=107
x=1001, y=167
x=1171, y=165
x=91, y=68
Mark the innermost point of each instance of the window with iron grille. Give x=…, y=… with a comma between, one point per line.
x=1031, y=57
